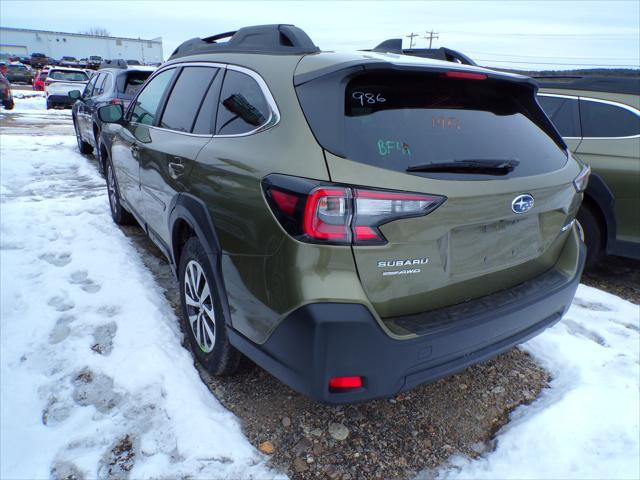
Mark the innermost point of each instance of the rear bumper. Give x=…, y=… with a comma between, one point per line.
x=65, y=100
x=323, y=340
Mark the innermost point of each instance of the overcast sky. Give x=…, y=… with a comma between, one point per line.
x=517, y=34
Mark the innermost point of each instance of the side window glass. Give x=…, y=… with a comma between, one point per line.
x=97, y=90
x=564, y=114
x=146, y=105
x=242, y=106
x=106, y=86
x=206, y=120
x=89, y=88
x=186, y=97
x=605, y=120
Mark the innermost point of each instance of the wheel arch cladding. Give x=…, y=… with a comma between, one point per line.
x=599, y=197
x=189, y=214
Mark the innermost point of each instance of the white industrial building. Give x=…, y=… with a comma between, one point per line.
x=21, y=41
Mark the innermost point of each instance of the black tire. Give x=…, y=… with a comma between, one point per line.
x=218, y=357
x=593, y=236
x=8, y=104
x=83, y=147
x=48, y=106
x=118, y=213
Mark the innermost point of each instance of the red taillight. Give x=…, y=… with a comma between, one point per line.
x=116, y=101
x=286, y=201
x=465, y=75
x=345, y=383
x=47, y=83
x=327, y=213
x=343, y=215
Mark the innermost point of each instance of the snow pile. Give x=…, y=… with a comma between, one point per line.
x=586, y=425
x=95, y=381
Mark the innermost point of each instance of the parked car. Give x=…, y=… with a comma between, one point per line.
x=357, y=224
x=60, y=81
x=19, y=73
x=133, y=62
x=107, y=86
x=39, y=60
x=39, y=79
x=599, y=118
x=94, y=61
x=69, y=62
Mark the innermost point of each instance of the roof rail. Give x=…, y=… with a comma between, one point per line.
x=116, y=63
x=394, y=45
x=277, y=39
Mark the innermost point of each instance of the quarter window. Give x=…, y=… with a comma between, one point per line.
x=186, y=97
x=106, y=86
x=242, y=107
x=146, y=105
x=606, y=120
x=564, y=113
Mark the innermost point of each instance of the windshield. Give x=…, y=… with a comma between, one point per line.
x=398, y=119
x=68, y=76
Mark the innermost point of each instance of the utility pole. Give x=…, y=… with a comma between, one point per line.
x=430, y=36
x=410, y=37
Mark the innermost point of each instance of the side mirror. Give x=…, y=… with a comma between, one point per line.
x=75, y=94
x=110, y=113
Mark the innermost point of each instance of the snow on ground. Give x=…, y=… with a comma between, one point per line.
x=94, y=380
x=586, y=424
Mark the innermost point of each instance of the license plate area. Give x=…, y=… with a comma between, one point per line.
x=493, y=246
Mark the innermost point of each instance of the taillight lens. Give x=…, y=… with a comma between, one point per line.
x=116, y=101
x=342, y=215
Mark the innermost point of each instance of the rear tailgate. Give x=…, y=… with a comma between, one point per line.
x=474, y=243
x=62, y=88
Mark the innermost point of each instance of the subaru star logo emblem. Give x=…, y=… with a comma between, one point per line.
x=522, y=203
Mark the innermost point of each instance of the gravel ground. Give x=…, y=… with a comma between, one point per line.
x=616, y=275
x=390, y=438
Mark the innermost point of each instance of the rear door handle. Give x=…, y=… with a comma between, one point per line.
x=134, y=151
x=176, y=168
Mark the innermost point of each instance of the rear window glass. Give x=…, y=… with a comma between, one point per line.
x=16, y=67
x=68, y=76
x=133, y=83
x=396, y=120
x=564, y=114
x=606, y=120
x=185, y=98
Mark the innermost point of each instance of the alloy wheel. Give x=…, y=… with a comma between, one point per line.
x=111, y=189
x=200, y=306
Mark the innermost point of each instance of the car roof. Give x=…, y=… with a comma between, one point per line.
x=68, y=69
x=625, y=85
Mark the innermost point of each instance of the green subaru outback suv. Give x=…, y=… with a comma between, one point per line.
x=599, y=119
x=357, y=224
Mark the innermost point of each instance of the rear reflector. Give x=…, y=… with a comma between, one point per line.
x=345, y=383
x=465, y=75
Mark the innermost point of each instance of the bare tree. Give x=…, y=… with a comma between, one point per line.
x=97, y=31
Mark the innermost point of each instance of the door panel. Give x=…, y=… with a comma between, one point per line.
x=125, y=157
x=165, y=161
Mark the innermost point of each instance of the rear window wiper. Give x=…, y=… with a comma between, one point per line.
x=478, y=166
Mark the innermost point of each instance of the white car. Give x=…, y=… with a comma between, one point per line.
x=60, y=81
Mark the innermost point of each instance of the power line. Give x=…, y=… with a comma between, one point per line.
x=430, y=36
x=410, y=37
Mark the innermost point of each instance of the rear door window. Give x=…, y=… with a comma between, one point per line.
x=206, y=119
x=145, y=108
x=186, y=97
x=564, y=113
x=88, y=90
x=243, y=107
x=106, y=85
x=605, y=120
